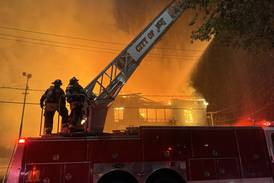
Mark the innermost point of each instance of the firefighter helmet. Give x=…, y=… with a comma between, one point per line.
x=57, y=82
x=73, y=80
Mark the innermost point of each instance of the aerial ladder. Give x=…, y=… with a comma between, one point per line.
x=107, y=85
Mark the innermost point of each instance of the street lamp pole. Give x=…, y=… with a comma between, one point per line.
x=28, y=76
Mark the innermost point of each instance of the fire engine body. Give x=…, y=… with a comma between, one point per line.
x=176, y=154
x=152, y=154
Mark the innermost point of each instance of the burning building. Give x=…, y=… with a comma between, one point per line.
x=136, y=110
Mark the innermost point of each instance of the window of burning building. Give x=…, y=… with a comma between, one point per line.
x=161, y=115
x=188, y=116
x=151, y=115
x=118, y=114
x=143, y=114
x=168, y=115
x=155, y=115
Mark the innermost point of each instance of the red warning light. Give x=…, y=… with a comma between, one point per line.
x=266, y=123
x=169, y=148
x=22, y=141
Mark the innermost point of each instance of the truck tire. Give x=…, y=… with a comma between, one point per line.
x=118, y=177
x=165, y=176
x=166, y=179
x=121, y=180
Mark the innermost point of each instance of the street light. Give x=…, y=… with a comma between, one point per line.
x=28, y=76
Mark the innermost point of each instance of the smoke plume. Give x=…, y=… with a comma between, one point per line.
x=176, y=56
x=237, y=84
x=66, y=38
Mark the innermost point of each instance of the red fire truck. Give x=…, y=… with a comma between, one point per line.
x=153, y=155
x=146, y=154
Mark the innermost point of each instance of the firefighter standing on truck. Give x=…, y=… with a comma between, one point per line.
x=76, y=97
x=54, y=100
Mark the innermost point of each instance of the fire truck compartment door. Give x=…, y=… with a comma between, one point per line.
x=76, y=173
x=46, y=173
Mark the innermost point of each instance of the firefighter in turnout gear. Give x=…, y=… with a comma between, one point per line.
x=54, y=100
x=76, y=97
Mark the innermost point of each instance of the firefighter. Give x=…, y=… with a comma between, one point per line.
x=54, y=100
x=76, y=97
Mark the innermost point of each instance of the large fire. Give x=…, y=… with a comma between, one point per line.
x=80, y=39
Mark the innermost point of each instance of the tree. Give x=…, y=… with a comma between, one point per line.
x=240, y=23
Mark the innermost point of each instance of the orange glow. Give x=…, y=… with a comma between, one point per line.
x=244, y=123
x=165, y=70
x=262, y=123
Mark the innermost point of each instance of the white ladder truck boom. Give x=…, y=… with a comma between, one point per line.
x=107, y=85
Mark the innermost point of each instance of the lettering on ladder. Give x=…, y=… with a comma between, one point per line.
x=150, y=35
x=160, y=23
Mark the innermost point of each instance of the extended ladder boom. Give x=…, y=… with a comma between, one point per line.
x=106, y=86
x=110, y=81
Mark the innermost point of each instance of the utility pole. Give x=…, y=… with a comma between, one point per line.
x=28, y=76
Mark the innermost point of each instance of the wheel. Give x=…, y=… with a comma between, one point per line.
x=116, y=180
x=118, y=177
x=166, y=179
x=165, y=176
x=119, y=181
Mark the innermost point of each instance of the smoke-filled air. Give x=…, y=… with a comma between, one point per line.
x=66, y=38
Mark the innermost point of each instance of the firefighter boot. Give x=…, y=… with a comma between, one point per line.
x=47, y=131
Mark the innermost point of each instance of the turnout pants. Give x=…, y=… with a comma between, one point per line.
x=76, y=113
x=49, y=115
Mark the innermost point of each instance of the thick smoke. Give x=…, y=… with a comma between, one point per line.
x=237, y=83
x=110, y=21
x=175, y=64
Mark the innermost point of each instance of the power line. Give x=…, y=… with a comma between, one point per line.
x=146, y=95
x=126, y=107
x=92, y=50
x=15, y=88
x=57, y=35
x=54, y=45
x=247, y=115
x=81, y=46
x=255, y=90
x=16, y=102
x=56, y=42
x=87, y=39
x=231, y=109
x=142, y=95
